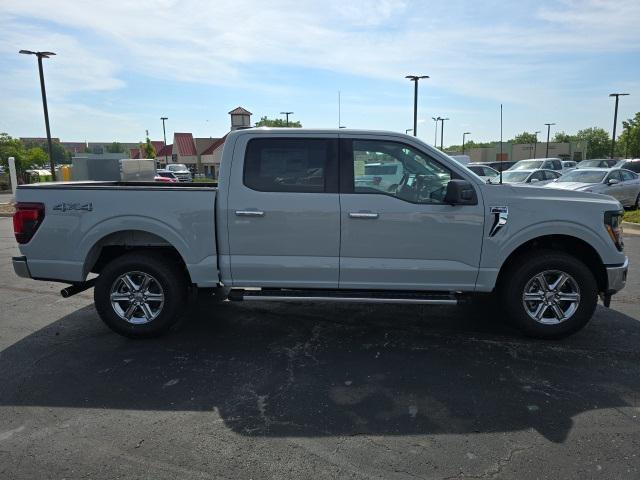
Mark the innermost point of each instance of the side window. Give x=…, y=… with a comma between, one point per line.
x=551, y=175
x=395, y=169
x=626, y=176
x=539, y=176
x=633, y=166
x=615, y=175
x=557, y=165
x=291, y=165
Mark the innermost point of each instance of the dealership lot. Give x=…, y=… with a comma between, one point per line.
x=315, y=390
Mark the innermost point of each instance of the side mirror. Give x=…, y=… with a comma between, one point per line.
x=460, y=192
x=534, y=180
x=613, y=181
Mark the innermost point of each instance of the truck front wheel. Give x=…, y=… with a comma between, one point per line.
x=141, y=294
x=549, y=294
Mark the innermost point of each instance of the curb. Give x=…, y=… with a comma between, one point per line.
x=631, y=227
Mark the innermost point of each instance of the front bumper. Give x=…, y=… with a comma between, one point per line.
x=20, y=267
x=617, y=277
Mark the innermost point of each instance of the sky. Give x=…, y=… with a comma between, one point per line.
x=121, y=65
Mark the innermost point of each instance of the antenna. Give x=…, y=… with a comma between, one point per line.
x=501, y=165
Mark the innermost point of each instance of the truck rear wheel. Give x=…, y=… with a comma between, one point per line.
x=549, y=294
x=141, y=294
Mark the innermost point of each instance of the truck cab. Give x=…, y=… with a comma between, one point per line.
x=297, y=217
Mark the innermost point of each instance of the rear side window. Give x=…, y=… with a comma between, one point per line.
x=626, y=175
x=307, y=165
x=633, y=166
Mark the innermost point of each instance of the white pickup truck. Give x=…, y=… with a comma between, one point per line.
x=290, y=221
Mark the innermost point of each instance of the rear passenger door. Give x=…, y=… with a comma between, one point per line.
x=283, y=212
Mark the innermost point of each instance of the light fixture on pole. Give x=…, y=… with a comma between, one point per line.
x=548, y=133
x=287, y=114
x=463, y=136
x=40, y=56
x=615, y=120
x=442, y=120
x=415, y=79
x=166, y=158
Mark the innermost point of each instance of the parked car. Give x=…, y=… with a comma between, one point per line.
x=538, y=177
x=539, y=163
x=499, y=166
x=289, y=222
x=483, y=171
x=568, y=165
x=623, y=185
x=166, y=176
x=597, y=163
x=384, y=176
x=630, y=164
x=181, y=171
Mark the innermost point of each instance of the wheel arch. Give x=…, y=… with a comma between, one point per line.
x=568, y=244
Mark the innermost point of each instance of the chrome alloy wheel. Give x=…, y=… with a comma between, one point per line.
x=137, y=297
x=551, y=297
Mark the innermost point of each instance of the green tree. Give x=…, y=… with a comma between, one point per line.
x=277, y=122
x=60, y=154
x=562, y=137
x=115, y=147
x=628, y=143
x=524, y=137
x=596, y=141
x=36, y=156
x=147, y=149
x=13, y=147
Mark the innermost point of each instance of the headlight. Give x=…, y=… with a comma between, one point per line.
x=613, y=224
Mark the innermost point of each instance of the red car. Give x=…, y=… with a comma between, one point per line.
x=165, y=176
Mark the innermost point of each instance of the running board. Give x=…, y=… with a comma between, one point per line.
x=356, y=296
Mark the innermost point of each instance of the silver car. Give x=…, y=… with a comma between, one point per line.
x=535, y=177
x=621, y=184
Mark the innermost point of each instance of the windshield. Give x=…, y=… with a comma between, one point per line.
x=177, y=167
x=583, y=176
x=514, y=177
x=527, y=165
x=483, y=171
x=380, y=169
x=590, y=163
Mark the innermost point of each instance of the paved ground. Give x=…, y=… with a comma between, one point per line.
x=313, y=391
x=6, y=197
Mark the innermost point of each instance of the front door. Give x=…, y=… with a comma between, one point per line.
x=401, y=235
x=283, y=213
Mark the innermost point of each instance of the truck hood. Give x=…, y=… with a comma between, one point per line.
x=532, y=194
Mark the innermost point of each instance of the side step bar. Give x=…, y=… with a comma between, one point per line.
x=356, y=296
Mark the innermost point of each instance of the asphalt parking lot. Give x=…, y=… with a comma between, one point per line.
x=313, y=391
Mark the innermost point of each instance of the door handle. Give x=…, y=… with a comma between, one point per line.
x=364, y=215
x=249, y=213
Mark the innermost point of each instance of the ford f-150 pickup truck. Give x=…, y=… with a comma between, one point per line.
x=290, y=221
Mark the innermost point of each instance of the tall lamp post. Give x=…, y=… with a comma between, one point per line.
x=615, y=120
x=442, y=120
x=415, y=79
x=548, y=133
x=40, y=56
x=164, y=132
x=435, y=135
x=287, y=115
x=535, y=145
x=464, y=135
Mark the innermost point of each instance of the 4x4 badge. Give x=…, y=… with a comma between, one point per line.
x=65, y=207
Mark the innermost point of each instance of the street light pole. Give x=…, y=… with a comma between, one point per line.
x=164, y=132
x=548, y=133
x=40, y=56
x=615, y=120
x=415, y=79
x=535, y=145
x=464, y=135
x=442, y=120
x=435, y=135
x=287, y=114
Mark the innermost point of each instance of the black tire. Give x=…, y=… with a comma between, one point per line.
x=524, y=269
x=165, y=272
x=636, y=205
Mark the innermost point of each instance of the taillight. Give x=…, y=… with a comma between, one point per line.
x=26, y=220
